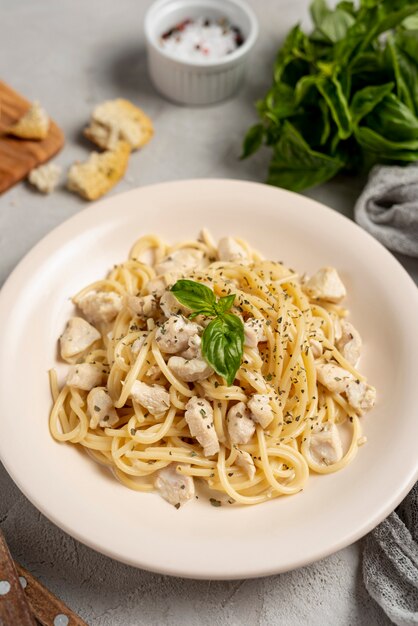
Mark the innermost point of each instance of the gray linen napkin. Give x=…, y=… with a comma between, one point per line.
x=388, y=207
x=390, y=562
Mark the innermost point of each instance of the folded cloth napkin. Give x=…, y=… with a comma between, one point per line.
x=390, y=562
x=388, y=207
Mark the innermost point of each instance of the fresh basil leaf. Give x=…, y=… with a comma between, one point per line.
x=252, y=141
x=318, y=10
x=346, y=50
x=411, y=22
x=333, y=145
x=370, y=69
x=365, y=100
x=369, y=4
x=405, y=69
x=294, y=71
x=374, y=18
x=405, y=73
x=273, y=133
x=394, y=12
x=336, y=24
x=367, y=65
x=311, y=124
x=379, y=16
x=194, y=295
x=225, y=303
x=408, y=42
x=392, y=119
x=303, y=87
x=294, y=57
x=296, y=166
x=348, y=6
x=206, y=312
x=331, y=90
x=223, y=345
x=317, y=37
x=280, y=100
x=345, y=79
x=326, y=124
x=286, y=53
x=371, y=141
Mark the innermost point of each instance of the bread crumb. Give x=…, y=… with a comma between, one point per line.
x=96, y=176
x=45, y=177
x=361, y=441
x=118, y=119
x=34, y=124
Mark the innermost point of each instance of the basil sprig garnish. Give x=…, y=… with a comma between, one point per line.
x=223, y=337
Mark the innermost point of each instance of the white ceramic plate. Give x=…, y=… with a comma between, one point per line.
x=199, y=540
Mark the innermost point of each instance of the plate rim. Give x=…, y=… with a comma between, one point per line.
x=385, y=509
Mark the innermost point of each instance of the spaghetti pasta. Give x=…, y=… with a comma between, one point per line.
x=143, y=400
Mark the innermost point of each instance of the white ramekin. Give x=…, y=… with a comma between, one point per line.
x=197, y=82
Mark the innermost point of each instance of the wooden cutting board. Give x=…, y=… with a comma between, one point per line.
x=19, y=156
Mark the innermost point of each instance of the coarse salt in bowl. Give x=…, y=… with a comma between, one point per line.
x=197, y=49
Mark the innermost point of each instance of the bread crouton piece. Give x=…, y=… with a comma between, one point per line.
x=96, y=176
x=34, y=124
x=45, y=177
x=116, y=120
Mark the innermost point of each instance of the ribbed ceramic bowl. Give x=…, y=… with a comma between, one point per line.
x=198, y=82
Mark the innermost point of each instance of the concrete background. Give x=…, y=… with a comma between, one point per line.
x=72, y=54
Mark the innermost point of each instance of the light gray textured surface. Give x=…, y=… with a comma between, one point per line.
x=71, y=55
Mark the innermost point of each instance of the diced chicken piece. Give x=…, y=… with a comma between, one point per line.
x=325, y=445
x=361, y=396
x=325, y=285
x=245, y=460
x=101, y=409
x=142, y=305
x=189, y=370
x=253, y=332
x=100, y=306
x=349, y=343
x=77, y=337
x=199, y=417
x=230, y=250
x=154, y=398
x=193, y=351
x=156, y=287
x=174, y=487
x=261, y=411
x=171, y=306
x=182, y=261
x=84, y=376
x=316, y=347
x=333, y=377
x=138, y=343
x=240, y=425
x=173, y=336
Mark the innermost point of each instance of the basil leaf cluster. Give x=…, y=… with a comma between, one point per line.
x=223, y=337
x=344, y=97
